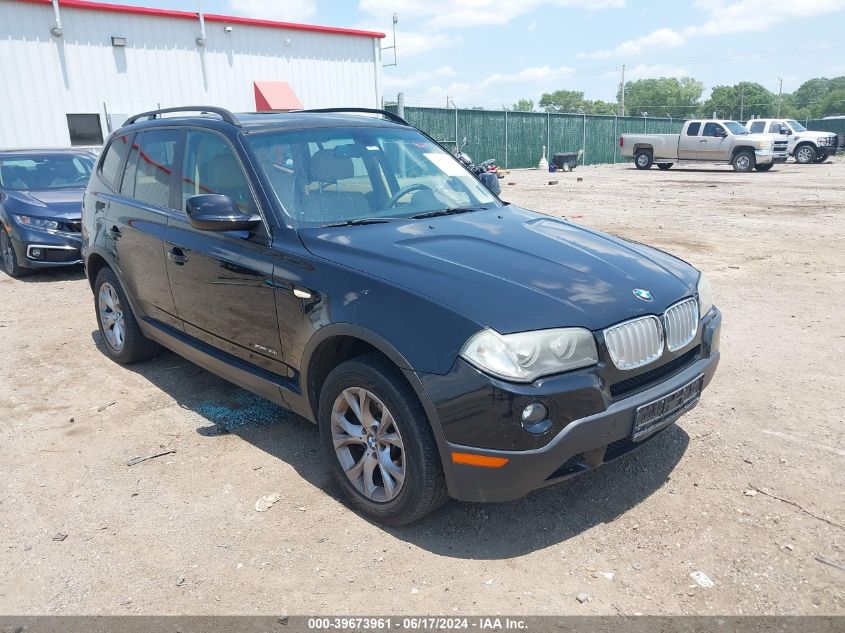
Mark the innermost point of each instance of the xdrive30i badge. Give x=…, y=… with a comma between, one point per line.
x=644, y=295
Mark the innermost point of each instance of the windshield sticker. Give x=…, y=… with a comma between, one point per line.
x=446, y=163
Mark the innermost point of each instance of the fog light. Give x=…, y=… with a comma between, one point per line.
x=36, y=253
x=535, y=418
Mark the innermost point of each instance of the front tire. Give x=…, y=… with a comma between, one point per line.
x=123, y=340
x=805, y=154
x=821, y=158
x=766, y=167
x=664, y=166
x=744, y=161
x=8, y=258
x=643, y=159
x=379, y=444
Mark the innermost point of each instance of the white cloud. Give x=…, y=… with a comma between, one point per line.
x=445, y=71
x=660, y=38
x=723, y=17
x=488, y=90
x=285, y=10
x=647, y=71
x=741, y=16
x=464, y=13
x=398, y=81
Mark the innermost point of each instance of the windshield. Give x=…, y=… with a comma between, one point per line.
x=736, y=128
x=795, y=125
x=334, y=175
x=40, y=173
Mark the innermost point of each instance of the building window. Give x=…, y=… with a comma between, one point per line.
x=85, y=129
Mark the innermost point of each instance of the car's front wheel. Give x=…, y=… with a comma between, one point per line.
x=821, y=158
x=123, y=340
x=744, y=161
x=379, y=444
x=766, y=167
x=8, y=258
x=805, y=154
x=665, y=166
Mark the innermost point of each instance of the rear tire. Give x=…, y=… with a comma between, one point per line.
x=8, y=257
x=396, y=476
x=764, y=167
x=805, y=154
x=123, y=340
x=643, y=159
x=744, y=161
x=664, y=166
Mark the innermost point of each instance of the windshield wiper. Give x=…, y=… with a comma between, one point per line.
x=449, y=211
x=359, y=221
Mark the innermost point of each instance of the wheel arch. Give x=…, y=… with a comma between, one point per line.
x=741, y=148
x=643, y=146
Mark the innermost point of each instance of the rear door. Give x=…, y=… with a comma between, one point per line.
x=689, y=141
x=713, y=147
x=222, y=282
x=136, y=220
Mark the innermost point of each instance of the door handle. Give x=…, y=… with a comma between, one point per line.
x=114, y=232
x=702, y=141
x=177, y=256
x=99, y=205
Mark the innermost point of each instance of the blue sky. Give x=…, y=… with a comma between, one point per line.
x=493, y=52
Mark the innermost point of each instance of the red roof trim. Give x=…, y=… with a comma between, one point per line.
x=209, y=17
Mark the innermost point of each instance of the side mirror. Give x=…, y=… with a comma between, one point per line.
x=785, y=130
x=216, y=212
x=721, y=133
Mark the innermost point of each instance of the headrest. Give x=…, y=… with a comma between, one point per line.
x=327, y=166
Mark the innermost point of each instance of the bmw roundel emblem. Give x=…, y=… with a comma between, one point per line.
x=643, y=295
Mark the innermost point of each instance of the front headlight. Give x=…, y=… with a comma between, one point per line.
x=705, y=296
x=765, y=144
x=526, y=356
x=38, y=223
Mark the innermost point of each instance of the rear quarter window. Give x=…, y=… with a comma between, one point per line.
x=693, y=128
x=112, y=161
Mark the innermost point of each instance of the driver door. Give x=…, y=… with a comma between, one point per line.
x=714, y=143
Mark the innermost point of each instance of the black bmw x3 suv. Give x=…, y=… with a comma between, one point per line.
x=342, y=264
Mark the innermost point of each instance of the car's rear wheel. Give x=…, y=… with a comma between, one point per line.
x=8, y=258
x=766, y=167
x=664, y=166
x=744, y=161
x=378, y=442
x=805, y=154
x=643, y=159
x=123, y=340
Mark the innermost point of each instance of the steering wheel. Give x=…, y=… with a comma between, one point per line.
x=82, y=178
x=404, y=191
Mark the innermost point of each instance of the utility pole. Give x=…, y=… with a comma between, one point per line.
x=780, y=94
x=622, y=101
x=742, y=102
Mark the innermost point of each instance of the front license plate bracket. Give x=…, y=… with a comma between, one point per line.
x=660, y=413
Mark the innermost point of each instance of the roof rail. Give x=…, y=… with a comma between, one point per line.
x=154, y=114
x=388, y=115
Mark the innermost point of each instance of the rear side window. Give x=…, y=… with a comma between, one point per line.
x=149, y=171
x=113, y=160
x=693, y=128
x=758, y=126
x=210, y=166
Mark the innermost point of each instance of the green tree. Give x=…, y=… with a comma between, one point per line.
x=563, y=101
x=833, y=103
x=523, y=105
x=741, y=101
x=601, y=107
x=662, y=96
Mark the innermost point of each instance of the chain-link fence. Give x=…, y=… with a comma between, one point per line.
x=516, y=139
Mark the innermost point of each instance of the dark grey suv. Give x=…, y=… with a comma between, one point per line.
x=347, y=267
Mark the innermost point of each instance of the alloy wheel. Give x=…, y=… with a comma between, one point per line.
x=368, y=444
x=743, y=162
x=111, y=316
x=804, y=155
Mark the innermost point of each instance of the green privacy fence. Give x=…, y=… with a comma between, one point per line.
x=516, y=139
x=825, y=125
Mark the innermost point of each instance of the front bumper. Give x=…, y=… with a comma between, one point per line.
x=767, y=156
x=580, y=445
x=42, y=248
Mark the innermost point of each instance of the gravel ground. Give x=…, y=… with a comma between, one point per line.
x=747, y=491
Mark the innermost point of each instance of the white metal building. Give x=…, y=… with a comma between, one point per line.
x=72, y=73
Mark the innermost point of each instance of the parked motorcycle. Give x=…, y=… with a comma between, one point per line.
x=486, y=171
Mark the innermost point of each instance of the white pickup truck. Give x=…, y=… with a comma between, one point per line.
x=706, y=141
x=805, y=145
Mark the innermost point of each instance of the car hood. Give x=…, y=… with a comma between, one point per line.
x=811, y=134
x=56, y=203
x=512, y=269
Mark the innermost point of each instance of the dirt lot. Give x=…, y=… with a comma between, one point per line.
x=180, y=534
